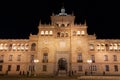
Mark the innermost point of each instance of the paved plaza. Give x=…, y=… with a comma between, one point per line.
x=60, y=78
x=36, y=78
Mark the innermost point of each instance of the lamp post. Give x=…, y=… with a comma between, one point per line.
x=90, y=62
x=36, y=61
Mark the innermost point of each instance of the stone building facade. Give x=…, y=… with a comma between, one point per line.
x=60, y=47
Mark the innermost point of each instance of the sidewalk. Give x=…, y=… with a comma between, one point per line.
x=98, y=78
x=36, y=78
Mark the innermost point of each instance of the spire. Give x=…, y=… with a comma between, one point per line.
x=85, y=22
x=40, y=22
x=94, y=34
x=63, y=5
x=72, y=13
x=53, y=14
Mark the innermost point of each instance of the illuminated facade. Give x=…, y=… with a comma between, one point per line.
x=60, y=47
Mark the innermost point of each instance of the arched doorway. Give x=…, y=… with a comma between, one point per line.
x=62, y=64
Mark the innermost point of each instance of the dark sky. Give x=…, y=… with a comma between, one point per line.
x=20, y=18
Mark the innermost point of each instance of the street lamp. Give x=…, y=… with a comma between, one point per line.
x=90, y=62
x=36, y=61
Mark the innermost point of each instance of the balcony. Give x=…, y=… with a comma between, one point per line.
x=45, y=61
x=79, y=61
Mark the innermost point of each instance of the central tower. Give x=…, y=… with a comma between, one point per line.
x=59, y=44
x=62, y=19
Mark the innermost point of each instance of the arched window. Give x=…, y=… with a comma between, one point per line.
x=78, y=33
x=91, y=47
x=22, y=47
x=26, y=46
x=65, y=25
x=68, y=24
x=1, y=46
x=98, y=47
x=74, y=33
x=19, y=47
x=14, y=47
x=83, y=32
x=58, y=34
x=46, y=32
x=10, y=47
x=62, y=25
x=103, y=46
x=57, y=25
x=33, y=46
x=62, y=34
x=66, y=34
x=5, y=46
x=115, y=47
x=50, y=32
x=107, y=47
x=42, y=32
x=111, y=47
x=119, y=46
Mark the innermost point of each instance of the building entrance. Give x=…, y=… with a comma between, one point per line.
x=62, y=64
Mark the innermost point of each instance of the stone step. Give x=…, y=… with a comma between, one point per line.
x=62, y=73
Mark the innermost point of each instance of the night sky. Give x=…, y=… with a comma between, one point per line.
x=20, y=18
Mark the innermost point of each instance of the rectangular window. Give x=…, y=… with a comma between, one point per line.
x=114, y=57
x=18, y=68
x=9, y=67
x=31, y=68
x=106, y=67
x=116, y=67
x=10, y=57
x=45, y=57
x=94, y=68
x=44, y=68
x=1, y=58
x=32, y=58
x=80, y=68
x=93, y=58
x=79, y=57
x=33, y=46
x=19, y=58
x=105, y=58
x=0, y=67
